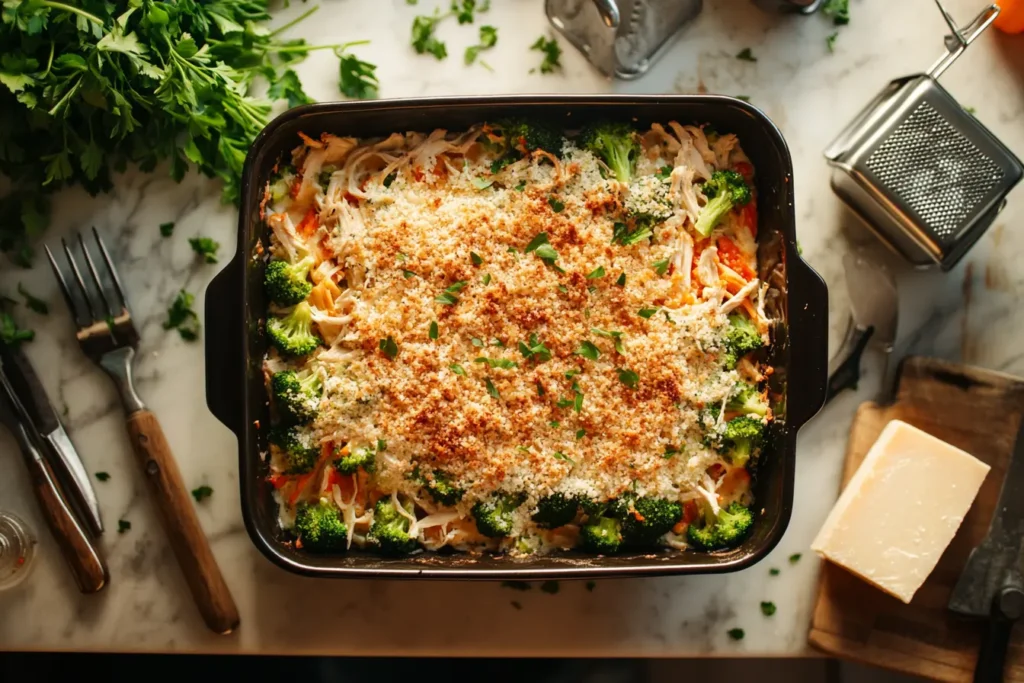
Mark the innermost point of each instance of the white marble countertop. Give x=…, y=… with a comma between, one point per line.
x=968, y=314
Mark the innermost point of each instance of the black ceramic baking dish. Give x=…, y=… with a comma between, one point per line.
x=235, y=341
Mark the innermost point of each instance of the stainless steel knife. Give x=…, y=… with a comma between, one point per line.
x=991, y=585
x=63, y=456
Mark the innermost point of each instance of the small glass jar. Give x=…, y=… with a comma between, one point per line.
x=17, y=550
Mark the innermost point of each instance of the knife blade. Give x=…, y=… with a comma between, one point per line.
x=991, y=585
x=56, y=443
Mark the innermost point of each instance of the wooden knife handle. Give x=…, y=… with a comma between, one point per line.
x=75, y=545
x=181, y=524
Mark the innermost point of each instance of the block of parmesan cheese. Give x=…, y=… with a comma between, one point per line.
x=901, y=509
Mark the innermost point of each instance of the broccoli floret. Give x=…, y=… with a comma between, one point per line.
x=647, y=201
x=727, y=531
x=300, y=452
x=390, y=529
x=645, y=520
x=319, y=528
x=494, y=517
x=525, y=136
x=361, y=456
x=602, y=535
x=742, y=435
x=741, y=338
x=441, y=489
x=725, y=190
x=281, y=184
x=293, y=334
x=748, y=400
x=286, y=283
x=297, y=396
x=556, y=510
x=616, y=144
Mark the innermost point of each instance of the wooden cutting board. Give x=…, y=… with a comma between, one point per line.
x=978, y=411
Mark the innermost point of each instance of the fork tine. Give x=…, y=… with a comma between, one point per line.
x=95, y=277
x=111, y=269
x=76, y=311
x=78, y=278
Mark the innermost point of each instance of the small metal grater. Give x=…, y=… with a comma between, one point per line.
x=622, y=38
x=922, y=172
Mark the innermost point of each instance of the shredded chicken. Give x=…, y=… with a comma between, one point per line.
x=740, y=296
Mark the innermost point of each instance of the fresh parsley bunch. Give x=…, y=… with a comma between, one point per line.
x=89, y=88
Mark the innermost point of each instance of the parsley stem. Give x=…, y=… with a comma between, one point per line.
x=295, y=21
x=74, y=10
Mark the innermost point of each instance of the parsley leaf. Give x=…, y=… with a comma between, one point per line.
x=552, y=54
x=433, y=330
x=486, y=279
x=488, y=39
x=614, y=335
x=596, y=273
x=588, y=350
x=562, y=456
x=205, y=247
x=408, y=273
x=660, y=267
x=555, y=424
x=457, y=369
x=34, y=303
x=768, y=608
x=103, y=476
x=389, y=347
x=794, y=558
x=774, y=571
x=556, y=204
x=448, y=297
x=288, y=87
x=181, y=317
x=11, y=334
x=669, y=452
x=356, y=78
x=535, y=350
x=123, y=525
x=629, y=378
x=475, y=258
x=490, y=389
x=167, y=229
x=838, y=11
x=665, y=172
x=621, y=282
x=502, y=363
x=647, y=313
x=202, y=493
x=746, y=55
x=736, y=633
x=540, y=245
x=580, y=433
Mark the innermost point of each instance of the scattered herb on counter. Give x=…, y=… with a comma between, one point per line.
x=628, y=377
x=746, y=55
x=411, y=2
x=107, y=85
x=794, y=558
x=552, y=55
x=488, y=39
x=167, y=229
x=202, y=493
x=34, y=303
x=830, y=41
x=837, y=10
x=590, y=585
x=433, y=330
x=289, y=88
x=774, y=571
x=356, y=78
x=550, y=587
x=424, y=26
x=389, y=347
x=745, y=98
x=517, y=585
x=103, y=476
x=768, y=608
x=971, y=110
x=181, y=317
x=11, y=334
x=736, y=633
x=205, y=247
x=123, y=525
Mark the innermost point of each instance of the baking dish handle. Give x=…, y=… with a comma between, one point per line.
x=808, y=348
x=225, y=355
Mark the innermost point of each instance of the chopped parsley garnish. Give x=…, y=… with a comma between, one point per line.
x=540, y=389
x=502, y=363
x=103, y=476
x=647, y=313
x=490, y=388
x=433, y=330
x=596, y=273
x=389, y=347
x=563, y=289
x=669, y=452
x=613, y=334
x=475, y=258
x=665, y=172
x=660, y=267
x=34, y=303
x=488, y=39
x=202, y=493
x=482, y=183
x=423, y=39
x=448, y=297
x=668, y=318
x=736, y=633
x=486, y=279
x=629, y=378
x=774, y=571
x=768, y=608
x=543, y=248
x=205, y=248
x=408, y=273
x=401, y=257
x=588, y=350
x=457, y=369
x=572, y=373
x=497, y=342
x=562, y=456
x=746, y=55
x=580, y=433
x=552, y=55
x=576, y=402
x=520, y=186
x=838, y=11
x=555, y=424
x=794, y=558
x=535, y=350
x=182, y=318
x=356, y=79
x=123, y=525
x=621, y=282
x=477, y=342
x=382, y=445
x=167, y=229
x=556, y=204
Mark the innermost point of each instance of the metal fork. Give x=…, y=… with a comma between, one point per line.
x=108, y=336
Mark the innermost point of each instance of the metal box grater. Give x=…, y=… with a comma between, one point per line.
x=922, y=172
x=622, y=38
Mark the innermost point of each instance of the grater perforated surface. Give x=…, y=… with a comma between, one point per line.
x=931, y=168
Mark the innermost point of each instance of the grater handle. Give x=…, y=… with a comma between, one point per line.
x=609, y=10
x=960, y=38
